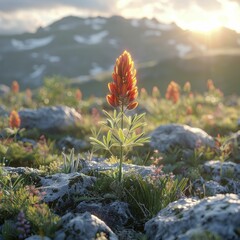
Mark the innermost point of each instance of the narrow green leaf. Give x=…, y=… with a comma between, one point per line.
x=95, y=141
x=121, y=135
x=108, y=115
x=116, y=138
x=109, y=136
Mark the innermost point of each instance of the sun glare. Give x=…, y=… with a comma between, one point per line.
x=204, y=26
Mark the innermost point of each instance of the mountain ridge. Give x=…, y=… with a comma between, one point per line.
x=75, y=47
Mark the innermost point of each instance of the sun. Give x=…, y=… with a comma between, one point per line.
x=204, y=26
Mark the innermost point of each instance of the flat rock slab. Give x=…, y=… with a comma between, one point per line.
x=170, y=136
x=189, y=218
x=101, y=165
x=59, y=118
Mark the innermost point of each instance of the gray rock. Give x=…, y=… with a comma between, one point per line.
x=226, y=176
x=60, y=188
x=4, y=89
x=83, y=227
x=38, y=237
x=115, y=214
x=213, y=188
x=169, y=136
x=218, y=215
x=58, y=118
x=208, y=188
x=101, y=164
x=21, y=170
x=70, y=142
x=222, y=169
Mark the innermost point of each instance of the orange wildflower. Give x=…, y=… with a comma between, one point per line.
x=14, y=120
x=155, y=92
x=78, y=95
x=173, y=92
x=210, y=85
x=187, y=87
x=189, y=110
x=123, y=90
x=15, y=87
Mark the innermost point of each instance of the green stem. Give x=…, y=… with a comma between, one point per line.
x=121, y=148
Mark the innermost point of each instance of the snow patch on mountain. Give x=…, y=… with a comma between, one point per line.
x=38, y=71
x=96, y=69
x=95, y=23
x=135, y=23
x=30, y=44
x=113, y=42
x=154, y=33
x=51, y=58
x=183, y=49
x=92, y=39
x=156, y=25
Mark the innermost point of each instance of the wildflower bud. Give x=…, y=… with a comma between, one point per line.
x=187, y=87
x=78, y=95
x=143, y=93
x=172, y=92
x=155, y=92
x=15, y=87
x=14, y=120
x=210, y=85
x=123, y=89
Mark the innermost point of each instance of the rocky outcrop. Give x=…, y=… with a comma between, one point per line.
x=85, y=227
x=170, y=136
x=225, y=177
x=4, y=89
x=52, y=119
x=189, y=218
x=60, y=188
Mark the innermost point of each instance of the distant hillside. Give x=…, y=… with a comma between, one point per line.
x=81, y=48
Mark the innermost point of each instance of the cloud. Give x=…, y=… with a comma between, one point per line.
x=13, y=5
x=28, y=15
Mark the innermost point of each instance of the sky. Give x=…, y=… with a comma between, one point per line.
x=17, y=16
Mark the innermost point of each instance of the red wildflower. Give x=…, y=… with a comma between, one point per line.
x=78, y=95
x=123, y=90
x=14, y=120
x=173, y=92
x=15, y=87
